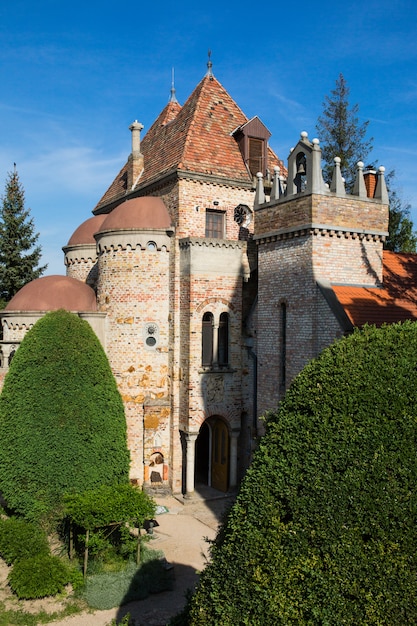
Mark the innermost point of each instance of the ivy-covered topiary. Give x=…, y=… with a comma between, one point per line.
x=39, y=576
x=62, y=421
x=20, y=539
x=324, y=529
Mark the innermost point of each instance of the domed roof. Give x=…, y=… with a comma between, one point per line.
x=84, y=234
x=138, y=213
x=51, y=293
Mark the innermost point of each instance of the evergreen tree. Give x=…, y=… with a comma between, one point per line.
x=402, y=236
x=342, y=134
x=323, y=530
x=19, y=254
x=62, y=419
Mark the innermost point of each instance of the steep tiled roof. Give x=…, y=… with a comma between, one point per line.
x=396, y=301
x=195, y=137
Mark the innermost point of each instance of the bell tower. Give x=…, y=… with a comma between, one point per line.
x=311, y=236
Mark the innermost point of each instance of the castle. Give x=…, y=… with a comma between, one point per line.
x=212, y=273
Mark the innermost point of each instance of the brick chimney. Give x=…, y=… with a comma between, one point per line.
x=370, y=177
x=135, y=161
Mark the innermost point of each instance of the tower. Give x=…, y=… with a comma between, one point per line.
x=310, y=238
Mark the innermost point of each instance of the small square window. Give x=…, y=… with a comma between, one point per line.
x=214, y=224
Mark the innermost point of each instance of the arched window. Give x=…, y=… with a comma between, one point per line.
x=207, y=339
x=223, y=344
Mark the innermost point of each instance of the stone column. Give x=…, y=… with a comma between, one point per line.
x=215, y=344
x=233, y=458
x=190, y=439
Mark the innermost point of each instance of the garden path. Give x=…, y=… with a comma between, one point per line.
x=181, y=535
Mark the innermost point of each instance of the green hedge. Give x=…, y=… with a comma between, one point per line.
x=39, y=576
x=62, y=421
x=20, y=539
x=324, y=529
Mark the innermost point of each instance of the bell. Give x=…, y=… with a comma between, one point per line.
x=301, y=168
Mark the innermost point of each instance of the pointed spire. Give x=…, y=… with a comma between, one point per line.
x=260, y=192
x=209, y=66
x=337, y=184
x=359, y=188
x=381, y=192
x=173, y=97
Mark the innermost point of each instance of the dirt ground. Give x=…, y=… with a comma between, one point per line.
x=181, y=535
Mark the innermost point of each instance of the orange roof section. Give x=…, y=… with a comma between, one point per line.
x=396, y=301
x=195, y=137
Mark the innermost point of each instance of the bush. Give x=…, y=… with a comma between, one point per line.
x=108, y=512
x=39, y=576
x=324, y=528
x=20, y=539
x=62, y=420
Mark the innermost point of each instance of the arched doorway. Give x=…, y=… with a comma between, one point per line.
x=212, y=454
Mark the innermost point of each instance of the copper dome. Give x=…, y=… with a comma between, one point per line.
x=51, y=293
x=84, y=234
x=138, y=213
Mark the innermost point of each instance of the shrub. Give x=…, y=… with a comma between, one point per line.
x=39, y=576
x=107, y=512
x=324, y=528
x=20, y=539
x=62, y=421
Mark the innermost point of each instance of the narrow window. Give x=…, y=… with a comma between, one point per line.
x=224, y=339
x=283, y=346
x=207, y=340
x=214, y=224
x=256, y=153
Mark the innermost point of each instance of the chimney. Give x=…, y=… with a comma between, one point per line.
x=135, y=161
x=370, y=177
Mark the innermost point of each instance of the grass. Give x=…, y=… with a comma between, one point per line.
x=115, y=588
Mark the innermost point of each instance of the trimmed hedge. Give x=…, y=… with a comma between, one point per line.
x=324, y=529
x=39, y=576
x=62, y=421
x=21, y=539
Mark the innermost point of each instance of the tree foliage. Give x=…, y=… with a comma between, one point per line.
x=19, y=254
x=324, y=527
x=402, y=236
x=108, y=505
x=341, y=133
x=62, y=421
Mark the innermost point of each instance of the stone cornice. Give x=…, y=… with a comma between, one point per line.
x=205, y=242
x=324, y=230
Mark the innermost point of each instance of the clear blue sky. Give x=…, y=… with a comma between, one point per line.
x=74, y=75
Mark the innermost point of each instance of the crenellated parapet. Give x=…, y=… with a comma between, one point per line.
x=304, y=203
x=305, y=177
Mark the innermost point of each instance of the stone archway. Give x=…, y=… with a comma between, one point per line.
x=212, y=450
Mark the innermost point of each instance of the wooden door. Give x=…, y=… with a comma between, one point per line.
x=220, y=456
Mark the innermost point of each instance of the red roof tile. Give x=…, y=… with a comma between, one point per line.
x=195, y=137
x=396, y=301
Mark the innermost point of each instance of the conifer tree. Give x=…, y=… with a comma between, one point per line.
x=402, y=236
x=19, y=254
x=341, y=133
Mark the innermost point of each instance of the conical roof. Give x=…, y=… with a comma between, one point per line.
x=196, y=137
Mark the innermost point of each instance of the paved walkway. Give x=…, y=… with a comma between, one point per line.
x=181, y=535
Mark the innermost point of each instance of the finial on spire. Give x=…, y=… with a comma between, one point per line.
x=209, y=66
x=173, y=97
